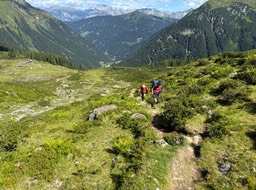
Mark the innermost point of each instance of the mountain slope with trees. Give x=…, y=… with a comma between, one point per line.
x=213, y=28
x=24, y=27
x=120, y=36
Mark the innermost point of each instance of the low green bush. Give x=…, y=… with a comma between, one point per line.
x=123, y=146
x=40, y=163
x=75, y=77
x=138, y=128
x=59, y=146
x=231, y=95
x=44, y=103
x=251, y=62
x=222, y=72
x=202, y=62
x=125, y=121
x=84, y=127
x=249, y=76
x=223, y=86
x=233, y=55
x=204, y=81
x=10, y=133
x=174, y=139
x=230, y=91
x=175, y=114
x=200, y=105
x=216, y=125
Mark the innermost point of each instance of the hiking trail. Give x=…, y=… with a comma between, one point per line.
x=184, y=171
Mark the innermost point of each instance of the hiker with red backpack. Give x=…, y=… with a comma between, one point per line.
x=156, y=89
x=143, y=91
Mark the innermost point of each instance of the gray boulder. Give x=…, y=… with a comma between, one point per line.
x=101, y=110
x=224, y=168
x=138, y=116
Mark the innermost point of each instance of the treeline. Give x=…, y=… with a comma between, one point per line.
x=40, y=56
x=53, y=59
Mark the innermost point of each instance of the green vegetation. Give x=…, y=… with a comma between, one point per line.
x=26, y=28
x=214, y=28
x=47, y=140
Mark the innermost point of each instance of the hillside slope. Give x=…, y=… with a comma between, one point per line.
x=27, y=28
x=69, y=129
x=215, y=27
x=120, y=36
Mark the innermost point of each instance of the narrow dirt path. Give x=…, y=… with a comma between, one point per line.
x=184, y=171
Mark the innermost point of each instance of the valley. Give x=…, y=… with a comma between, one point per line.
x=71, y=114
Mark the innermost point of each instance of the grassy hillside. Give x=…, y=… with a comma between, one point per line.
x=47, y=141
x=218, y=4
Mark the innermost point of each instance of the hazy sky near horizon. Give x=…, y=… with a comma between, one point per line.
x=163, y=5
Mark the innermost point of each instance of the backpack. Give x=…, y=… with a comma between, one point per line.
x=144, y=90
x=155, y=82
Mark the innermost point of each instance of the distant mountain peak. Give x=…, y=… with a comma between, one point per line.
x=71, y=14
x=215, y=27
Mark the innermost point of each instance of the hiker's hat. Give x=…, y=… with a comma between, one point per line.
x=143, y=86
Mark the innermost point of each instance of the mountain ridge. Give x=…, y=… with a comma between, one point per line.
x=202, y=33
x=120, y=36
x=73, y=14
x=24, y=27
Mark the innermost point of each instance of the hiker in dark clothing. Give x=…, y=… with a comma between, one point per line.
x=143, y=91
x=156, y=90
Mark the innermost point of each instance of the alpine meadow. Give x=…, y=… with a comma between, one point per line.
x=71, y=112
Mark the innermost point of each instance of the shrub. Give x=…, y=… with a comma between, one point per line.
x=199, y=104
x=60, y=147
x=204, y=81
x=138, y=128
x=202, y=62
x=191, y=87
x=249, y=76
x=230, y=91
x=223, y=86
x=123, y=146
x=75, y=77
x=125, y=121
x=217, y=126
x=44, y=103
x=217, y=60
x=40, y=163
x=221, y=72
x=9, y=136
x=174, y=139
x=233, y=55
x=83, y=127
x=241, y=61
x=175, y=114
x=251, y=62
x=231, y=95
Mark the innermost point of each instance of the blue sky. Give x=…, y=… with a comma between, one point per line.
x=164, y=5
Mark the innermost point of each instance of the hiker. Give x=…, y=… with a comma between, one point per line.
x=143, y=91
x=156, y=90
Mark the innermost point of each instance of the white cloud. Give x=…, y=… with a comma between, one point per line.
x=128, y=4
x=194, y=3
